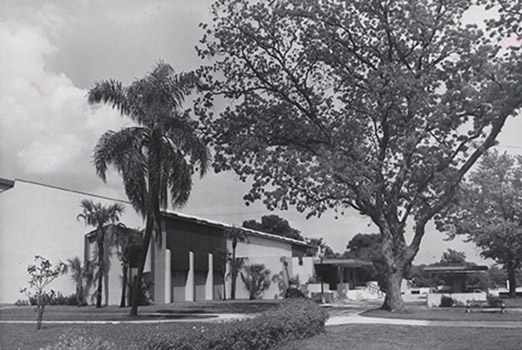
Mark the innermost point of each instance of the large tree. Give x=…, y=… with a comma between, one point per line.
x=101, y=217
x=159, y=154
x=275, y=225
x=379, y=106
x=488, y=210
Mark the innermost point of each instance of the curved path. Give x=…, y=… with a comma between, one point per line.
x=332, y=321
x=357, y=319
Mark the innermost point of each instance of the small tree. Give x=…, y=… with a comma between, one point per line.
x=129, y=242
x=256, y=279
x=223, y=256
x=236, y=235
x=41, y=273
x=81, y=274
x=100, y=217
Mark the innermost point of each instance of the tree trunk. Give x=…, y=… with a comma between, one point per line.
x=143, y=256
x=124, y=285
x=393, y=301
x=224, y=284
x=234, y=275
x=512, y=281
x=39, y=311
x=100, y=272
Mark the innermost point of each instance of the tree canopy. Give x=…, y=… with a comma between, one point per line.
x=488, y=211
x=378, y=106
x=275, y=225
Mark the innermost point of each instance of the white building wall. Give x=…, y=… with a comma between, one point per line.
x=41, y=220
x=259, y=250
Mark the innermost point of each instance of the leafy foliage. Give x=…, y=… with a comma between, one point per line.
x=488, y=211
x=256, y=278
x=275, y=225
x=376, y=106
x=368, y=247
x=156, y=157
x=68, y=341
x=41, y=274
x=293, y=319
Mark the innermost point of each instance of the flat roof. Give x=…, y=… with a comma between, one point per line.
x=343, y=262
x=456, y=269
x=206, y=222
x=6, y=184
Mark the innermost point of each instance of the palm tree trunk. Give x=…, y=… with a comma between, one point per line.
x=143, y=256
x=100, y=273
x=124, y=285
x=234, y=275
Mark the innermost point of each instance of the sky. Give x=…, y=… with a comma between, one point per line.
x=52, y=52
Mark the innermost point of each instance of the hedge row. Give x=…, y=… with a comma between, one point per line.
x=293, y=319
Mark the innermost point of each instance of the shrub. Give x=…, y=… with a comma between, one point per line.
x=80, y=342
x=293, y=319
x=57, y=299
x=21, y=302
x=446, y=301
x=256, y=279
x=494, y=301
x=294, y=293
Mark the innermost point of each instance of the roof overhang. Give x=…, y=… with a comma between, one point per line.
x=456, y=270
x=211, y=223
x=343, y=262
x=6, y=184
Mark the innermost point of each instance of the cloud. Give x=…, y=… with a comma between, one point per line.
x=47, y=127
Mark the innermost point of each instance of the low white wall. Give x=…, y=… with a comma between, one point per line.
x=460, y=299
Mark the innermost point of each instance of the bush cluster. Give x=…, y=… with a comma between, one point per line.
x=446, y=301
x=57, y=299
x=293, y=319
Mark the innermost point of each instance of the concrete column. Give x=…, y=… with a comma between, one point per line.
x=168, y=276
x=189, y=285
x=209, y=285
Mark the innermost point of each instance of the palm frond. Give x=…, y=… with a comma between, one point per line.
x=110, y=92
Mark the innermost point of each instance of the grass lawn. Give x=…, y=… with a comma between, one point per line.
x=380, y=337
x=115, y=313
x=416, y=312
x=26, y=337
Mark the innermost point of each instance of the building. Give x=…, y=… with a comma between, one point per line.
x=184, y=264
x=457, y=289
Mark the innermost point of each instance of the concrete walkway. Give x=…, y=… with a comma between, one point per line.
x=357, y=319
x=332, y=321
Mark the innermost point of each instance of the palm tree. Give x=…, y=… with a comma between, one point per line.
x=236, y=235
x=157, y=157
x=100, y=217
x=256, y=279
x=128, y=241
x=81, y=274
